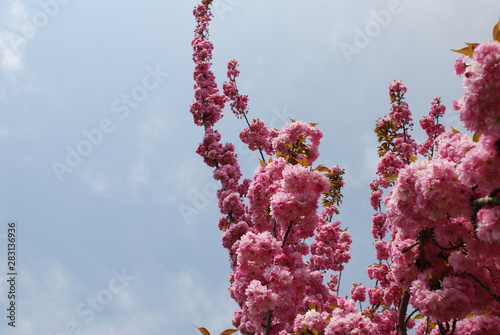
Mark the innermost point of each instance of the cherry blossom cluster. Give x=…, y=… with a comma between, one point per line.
x=396, y=149
x=436, y=226
x=280, y=248
x=282, y=206
x=258, y=136
x=239, y=103
x=432, y=127
x=443, y=212
x=478, y=107
x=208, y=104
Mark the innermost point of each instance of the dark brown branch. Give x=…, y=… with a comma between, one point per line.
x=286, y=234
x=497, y=298
x=403, y=306
x=491, y=200
x=408, y=248
x=410, y=315
x=443, y=330
x=423, y=236
x=269, y=317
x=454, y=327
x=274, y=228
x=453, y=247
x=338, y=283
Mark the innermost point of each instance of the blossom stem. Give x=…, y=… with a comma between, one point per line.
x=260, y=149
x=286, y=234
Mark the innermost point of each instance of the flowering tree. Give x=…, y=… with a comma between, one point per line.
x=437, y=231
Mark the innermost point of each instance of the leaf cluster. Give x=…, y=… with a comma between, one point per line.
x=385, y=136
x=334, y=196
x=207, y=3
x=469, y=49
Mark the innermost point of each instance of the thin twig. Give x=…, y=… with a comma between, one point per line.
x=338, y=283
x=497, y=298
x=410, y=315
x=274, y=228
x=408, y=248
x=286, y=234
x=260, y=149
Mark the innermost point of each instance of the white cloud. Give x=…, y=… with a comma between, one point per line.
x=155, y=126
x=139, y=175
x=12, y=42
x=154, y=299
x=101, y=184
x=12, y=48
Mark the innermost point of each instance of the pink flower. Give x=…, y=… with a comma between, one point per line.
x=481, y=164
x=382, y=249
x=479, y=107
x=358, y=292
x=460, y=65
x=488, y=223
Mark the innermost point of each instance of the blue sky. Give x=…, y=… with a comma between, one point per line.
x=121, y=237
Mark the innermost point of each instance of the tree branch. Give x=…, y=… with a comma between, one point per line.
x=269, y=317
x=497, y=298
x=286, y=234
x=403, y=306
x=274, y=228
x=491, y=200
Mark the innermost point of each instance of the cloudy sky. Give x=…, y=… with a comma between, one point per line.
x=116, y=215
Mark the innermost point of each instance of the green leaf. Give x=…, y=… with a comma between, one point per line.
x=204, y=331
x=476, y=137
